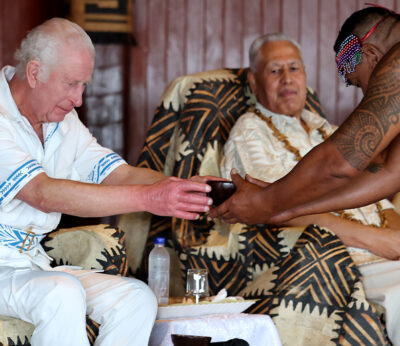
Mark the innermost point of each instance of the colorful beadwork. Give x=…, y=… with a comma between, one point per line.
x=349, y=55
x=350, y=51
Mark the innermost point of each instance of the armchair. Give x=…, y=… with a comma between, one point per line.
x=304, y=278
x=90, y=247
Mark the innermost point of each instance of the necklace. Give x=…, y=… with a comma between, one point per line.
x=283, y=138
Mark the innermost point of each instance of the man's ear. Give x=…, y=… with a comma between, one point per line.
x=32, y=72
x=252, y=82
x=372, y=54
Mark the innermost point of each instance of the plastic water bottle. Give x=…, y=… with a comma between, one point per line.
x=159, y=271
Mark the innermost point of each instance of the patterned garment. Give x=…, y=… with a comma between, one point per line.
x=313, y=287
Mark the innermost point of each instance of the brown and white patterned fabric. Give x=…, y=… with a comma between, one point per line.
x=304, y=277
x=91, y=247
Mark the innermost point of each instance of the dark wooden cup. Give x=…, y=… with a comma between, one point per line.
x=192, y=340
x=221, y=190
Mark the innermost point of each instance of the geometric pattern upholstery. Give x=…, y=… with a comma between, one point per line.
x=303, y=277
x=91, y=247
x=317, y=278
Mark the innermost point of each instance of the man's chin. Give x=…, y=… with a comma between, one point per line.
x=57, y=117
x=291, y=111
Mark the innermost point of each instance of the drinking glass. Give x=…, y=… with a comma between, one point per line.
x=197, y=284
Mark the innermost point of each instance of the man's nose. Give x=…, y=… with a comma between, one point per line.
x=286, y=76
x=76, y=96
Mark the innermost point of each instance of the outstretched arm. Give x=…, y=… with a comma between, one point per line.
x=375, y=183
x=120, y=193
x=334, y=163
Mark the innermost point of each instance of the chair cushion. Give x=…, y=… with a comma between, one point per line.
x=14, y=331
x=94, y=247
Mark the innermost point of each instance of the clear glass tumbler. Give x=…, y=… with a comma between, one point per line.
x=197, y=284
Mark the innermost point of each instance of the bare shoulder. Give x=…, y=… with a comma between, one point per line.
x=391, y=58
x=386, y=75
x=382, y=98
x=374, y=123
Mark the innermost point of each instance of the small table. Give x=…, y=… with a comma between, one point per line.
x=257, y=330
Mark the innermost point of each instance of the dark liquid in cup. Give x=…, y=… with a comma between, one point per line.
x=220, y=191
x=192, y=340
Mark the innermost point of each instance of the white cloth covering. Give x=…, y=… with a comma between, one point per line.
x=56, y=302
x=257, y=330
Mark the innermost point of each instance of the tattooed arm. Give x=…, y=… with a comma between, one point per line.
x=334, y=164
x=378, y=181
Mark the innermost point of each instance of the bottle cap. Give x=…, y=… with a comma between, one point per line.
x=159, y=241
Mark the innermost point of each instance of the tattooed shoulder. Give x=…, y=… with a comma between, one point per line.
x=359, y=137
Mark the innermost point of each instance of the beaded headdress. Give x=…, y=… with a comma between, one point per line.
x=350, y=51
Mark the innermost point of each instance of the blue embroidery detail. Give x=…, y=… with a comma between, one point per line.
x=14, y=238
x=13, y=181
x=101, y=169
x=52, y=132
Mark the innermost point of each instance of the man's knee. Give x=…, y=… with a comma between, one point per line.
x=143, y=297
x=64, y=290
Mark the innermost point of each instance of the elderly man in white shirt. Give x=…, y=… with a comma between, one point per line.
x=50, y=164
x=268, y=141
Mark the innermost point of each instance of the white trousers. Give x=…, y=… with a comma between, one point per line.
x=56, y=303
x=382, y=286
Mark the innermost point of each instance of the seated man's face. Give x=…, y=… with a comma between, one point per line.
x=64, y=88
x=280, y=80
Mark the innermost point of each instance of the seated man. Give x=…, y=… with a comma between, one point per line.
x=267, y=143
x=50, y=164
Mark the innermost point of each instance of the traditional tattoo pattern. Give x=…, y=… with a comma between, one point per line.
x=360, y=136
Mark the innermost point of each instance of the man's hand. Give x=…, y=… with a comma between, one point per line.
x=177, y=197
x=243, y=203
x=258, y=182
x=204, y=178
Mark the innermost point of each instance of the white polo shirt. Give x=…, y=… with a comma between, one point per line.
x=69, y=152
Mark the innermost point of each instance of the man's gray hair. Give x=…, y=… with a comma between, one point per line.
x=260, y=41
x=45, y=44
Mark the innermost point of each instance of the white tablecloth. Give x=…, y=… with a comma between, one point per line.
x=257, y=330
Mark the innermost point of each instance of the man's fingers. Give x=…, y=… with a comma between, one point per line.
x=193, y=207
x=204, y=178
x=187, y=215
x=221, y=211
x=228, y=217
x=194, y=198
x=255, y=181
x=230, y=220
x=236, y=178
x=195, y=186
x=218, y=211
